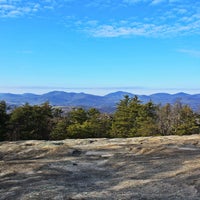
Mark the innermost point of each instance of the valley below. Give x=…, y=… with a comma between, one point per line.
x=163, y=167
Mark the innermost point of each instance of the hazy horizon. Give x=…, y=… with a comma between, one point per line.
x=99, y=91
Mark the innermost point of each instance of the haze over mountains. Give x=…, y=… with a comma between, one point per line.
x=105, y=103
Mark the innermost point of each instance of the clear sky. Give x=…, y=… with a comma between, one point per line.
x=100, y=46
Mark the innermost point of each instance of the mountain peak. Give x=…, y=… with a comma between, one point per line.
x=104, y=103
x=181, y=94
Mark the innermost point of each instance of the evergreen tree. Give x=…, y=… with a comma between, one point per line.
x=3, y=120
x=187, y=122
x=147, y=120
x=31, y=122
x=59, y=131
x=78, y=116
x=125, y=118
x=93, y=124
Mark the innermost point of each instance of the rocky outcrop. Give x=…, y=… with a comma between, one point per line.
x=135, y=168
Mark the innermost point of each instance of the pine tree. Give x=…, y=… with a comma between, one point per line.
x=3, y=120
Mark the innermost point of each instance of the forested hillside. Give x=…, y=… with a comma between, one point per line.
x=132, y=118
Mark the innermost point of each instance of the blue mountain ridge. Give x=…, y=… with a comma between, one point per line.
x=105, y=103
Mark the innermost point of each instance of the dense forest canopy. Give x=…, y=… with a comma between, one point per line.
x=132, y=118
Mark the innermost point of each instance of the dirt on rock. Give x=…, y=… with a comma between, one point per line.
x=134, y=168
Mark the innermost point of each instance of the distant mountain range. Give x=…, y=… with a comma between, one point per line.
x=105, y=103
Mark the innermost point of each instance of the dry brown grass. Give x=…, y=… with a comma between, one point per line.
x=135, y=168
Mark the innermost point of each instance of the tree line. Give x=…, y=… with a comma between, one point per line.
x=132, y=118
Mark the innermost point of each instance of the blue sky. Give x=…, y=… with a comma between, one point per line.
x=100, y=46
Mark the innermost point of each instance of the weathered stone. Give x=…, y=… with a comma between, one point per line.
x=134, y=168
